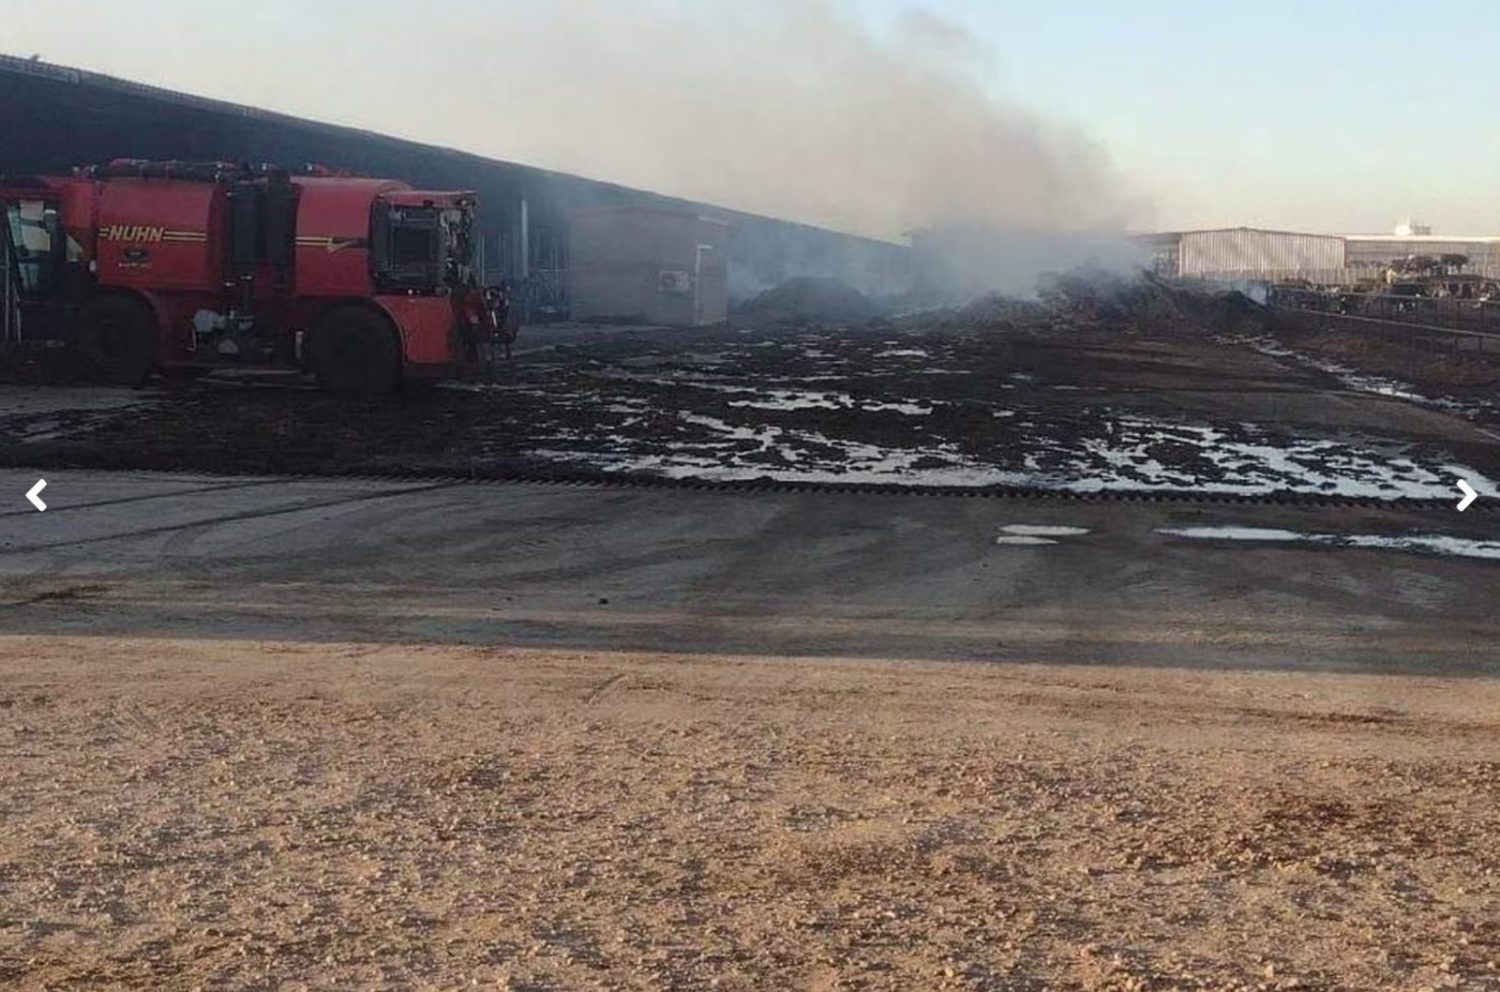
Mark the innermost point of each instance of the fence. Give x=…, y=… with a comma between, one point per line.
x=1465, y=325
x=1482, y=316
x=1351, y=275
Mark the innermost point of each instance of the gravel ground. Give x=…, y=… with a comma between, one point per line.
x=251, y=815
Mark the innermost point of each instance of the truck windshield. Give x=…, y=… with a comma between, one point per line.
x=422, y=248
x=31, y=240
x=408, y=251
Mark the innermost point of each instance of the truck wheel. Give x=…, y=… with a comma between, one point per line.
x=355, y=352
x=117, y=340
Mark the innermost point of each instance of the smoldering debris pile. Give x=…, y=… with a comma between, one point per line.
x=997, y=308
x=1092, y=296
x=1108, y=301
x=1144, y=303
x=807, y=299
x=1237, y=313
x=1135, y=302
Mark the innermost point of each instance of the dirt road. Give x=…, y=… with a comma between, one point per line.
x=790, y=573
x=267, y=814
x=269, y=733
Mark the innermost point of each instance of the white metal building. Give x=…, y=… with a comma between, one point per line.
x=1379, y=250
x=1244, y=251
x=1241, y=252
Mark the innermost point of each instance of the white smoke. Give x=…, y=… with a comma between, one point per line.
x=955, y=264
x=792, y=108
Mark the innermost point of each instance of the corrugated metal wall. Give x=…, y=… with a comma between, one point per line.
x=1347, y=276
x=1244, y=251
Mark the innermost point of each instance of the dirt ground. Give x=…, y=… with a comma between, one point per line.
x=1019, y=398
x=1428, y=361
x=266, y=732
x=236, y=815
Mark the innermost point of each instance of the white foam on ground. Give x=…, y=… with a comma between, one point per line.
x=465, y=386
x=1119, y=464
x=1112, y=453
x=1044, y=530
x=1299, y=465
x=797, y=399
x=1234, y=533
x=793, y=399
x=1439, y=544
x=784, y=457
x=910, y=409
x=765, y=436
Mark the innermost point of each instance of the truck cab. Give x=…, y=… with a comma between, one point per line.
x=39, y=265
x=139, y=265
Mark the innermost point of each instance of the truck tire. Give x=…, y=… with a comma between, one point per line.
x=355, y=352
x=117, y=340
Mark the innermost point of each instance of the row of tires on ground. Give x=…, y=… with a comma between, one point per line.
x=352, y=349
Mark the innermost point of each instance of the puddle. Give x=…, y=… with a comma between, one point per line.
x=1044, y=530
x=1231, y=533
x=1023, y=539
x=1436, y=544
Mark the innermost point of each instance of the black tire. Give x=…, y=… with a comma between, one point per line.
x=117, y=340
x=355, y=352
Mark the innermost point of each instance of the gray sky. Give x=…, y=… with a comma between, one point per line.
x=878, y=115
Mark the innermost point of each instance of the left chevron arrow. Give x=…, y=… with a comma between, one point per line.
x=32, y=494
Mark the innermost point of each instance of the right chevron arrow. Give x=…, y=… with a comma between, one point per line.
x=1469, y=495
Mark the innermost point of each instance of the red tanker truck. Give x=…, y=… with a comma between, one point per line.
x=141, y=265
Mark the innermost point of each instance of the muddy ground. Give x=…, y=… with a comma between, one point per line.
x=1025, y=398
x=1430, y=363
x=1428, y=359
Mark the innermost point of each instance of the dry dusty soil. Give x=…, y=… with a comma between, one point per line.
x=249, y=815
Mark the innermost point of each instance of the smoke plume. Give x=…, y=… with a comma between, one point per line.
x=792, y=108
